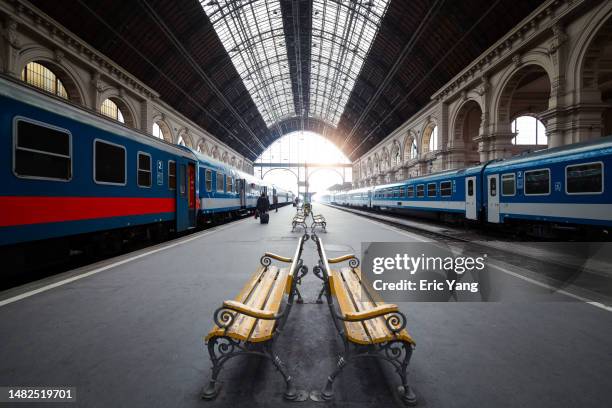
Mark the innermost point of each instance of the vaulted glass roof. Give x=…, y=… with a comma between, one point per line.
x=252, y=33
x=342, y=33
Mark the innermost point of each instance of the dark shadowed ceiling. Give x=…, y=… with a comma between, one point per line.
x=173, y=47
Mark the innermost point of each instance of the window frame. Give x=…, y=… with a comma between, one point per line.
x=501, y=177
x=218, y=173
x=435, y=184
x=409, y=189
x=229, y=182
x=525, y=182
x=17, y=119
x=208, y=172
x=417, y=190
x=470, y=183
x=450, y=188
x=171, y=188
x=138, y=169
x=125, y=175
x=603, y=173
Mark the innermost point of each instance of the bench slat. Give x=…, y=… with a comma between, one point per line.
x=346, y=282
x=263, y=329
x=354, y=330
x=375, y=328
x=253, y=294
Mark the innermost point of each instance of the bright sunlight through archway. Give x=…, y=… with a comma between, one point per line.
x=303, y=147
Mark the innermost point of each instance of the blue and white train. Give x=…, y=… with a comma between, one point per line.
x=543, y=192
x=74, y=174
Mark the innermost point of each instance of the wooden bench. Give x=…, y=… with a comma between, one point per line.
x=299, y=219
x=368, y=326
x=250, y=324
x=318, y=221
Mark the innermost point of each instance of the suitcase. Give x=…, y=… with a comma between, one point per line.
x=264, y=218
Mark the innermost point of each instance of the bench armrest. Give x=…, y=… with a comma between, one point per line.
x=341, y=258
x=278, y=257
x=249, y=311
x=372, y=313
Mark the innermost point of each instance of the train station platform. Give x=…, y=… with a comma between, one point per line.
x=128, y=332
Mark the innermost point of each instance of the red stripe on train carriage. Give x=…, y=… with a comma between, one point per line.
x=20, y=210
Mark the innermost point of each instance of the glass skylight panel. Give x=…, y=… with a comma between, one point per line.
x=252, y=34
x=342, y=34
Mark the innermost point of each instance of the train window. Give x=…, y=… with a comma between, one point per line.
x=508, y=184
x=410, y=191
x=171, y=175
x=584, y=178
x=183, y=180
x=230, y=184
x=421, y=191
x=401, y=192
x=431, y=190
x=42, y=151
x=537, y=182
x=208, y=179
x=493, y=186
x=470, y=188
x=144, y=170
x=109, y=163
x=446, y=189
x=220, y=182
x=396, y=193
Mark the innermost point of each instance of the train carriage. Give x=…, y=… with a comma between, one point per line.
x=561, y=187
x=68, y=172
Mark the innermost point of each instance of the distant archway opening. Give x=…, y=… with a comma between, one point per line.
x=526, y=94
x=529, y=131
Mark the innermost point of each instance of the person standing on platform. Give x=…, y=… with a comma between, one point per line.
x=263, y=204
x=275, y=202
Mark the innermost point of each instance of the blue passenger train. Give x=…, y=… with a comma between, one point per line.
x=70, y=173
x=541, y=193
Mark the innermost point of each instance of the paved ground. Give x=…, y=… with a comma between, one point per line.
x=131, y=335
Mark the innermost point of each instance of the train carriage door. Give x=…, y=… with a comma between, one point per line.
x=493, y=198
x=182, y=215
x=191, y=197
x=242, y=192
x=470, y=198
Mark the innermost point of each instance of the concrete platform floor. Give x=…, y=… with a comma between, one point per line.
x=130, y=335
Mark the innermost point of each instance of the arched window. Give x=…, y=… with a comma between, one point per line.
x=110, y=109
x=433, y=139
x=162, y=131
x=181, y=141
x=413, y=149
x=529, y=131
x=42, y=77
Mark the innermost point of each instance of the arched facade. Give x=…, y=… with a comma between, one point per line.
x=162, y=131
x=56, y=64
x=430, y=141
x=184, y=138
x=88, y=77
x=466, y=128
x=128, y=113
